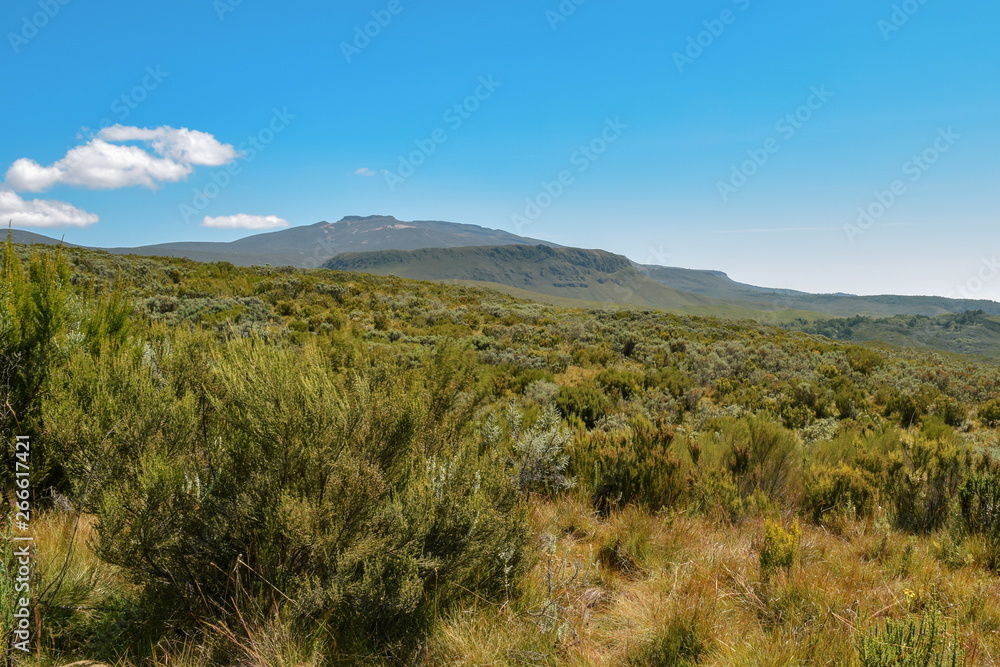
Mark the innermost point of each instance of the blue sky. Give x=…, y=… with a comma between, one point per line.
x=746, y=136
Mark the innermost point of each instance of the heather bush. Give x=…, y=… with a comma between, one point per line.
x=910, y=642
x=840, y=488
x=923, y=480
x=364, y=501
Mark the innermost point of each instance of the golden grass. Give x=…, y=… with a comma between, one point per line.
x=679, y=576
x=631, y=587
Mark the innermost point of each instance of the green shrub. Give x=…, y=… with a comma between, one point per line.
x=863, y=360
x=632, y=464
x=539, y=459
x=762, y=455
x=619, y=383
x=364, y=502
x=780, y=547
x=586, y=402
x=923, y=481
x=909, y=642
x=840, y=488
x=989, y=413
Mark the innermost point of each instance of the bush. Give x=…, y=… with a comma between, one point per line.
x=989, y=413
x=764, y=456
x=923, y=481
x=539, y=460
x=632, y=464
x=909, y=642
x=585, y=402
x=839, y=488
x=780, y=547
x=363, y=502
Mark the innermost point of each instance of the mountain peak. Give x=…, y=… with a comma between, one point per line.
x=351, y=219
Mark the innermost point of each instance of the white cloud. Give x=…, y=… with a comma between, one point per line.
x=102, y=164
x=244, y=221
x=178, y=144
x=41, y=212
x=365, y=171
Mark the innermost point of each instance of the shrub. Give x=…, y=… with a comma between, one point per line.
x=863, y=360
x=780, y=547
x=619, y=383
x=631, y=464
x=923, y=480
x=540, y=460
x=585, y=402
x=763, y=456
x=840, y=488
x=989, y=413
x=362, y=501
x=909, y=642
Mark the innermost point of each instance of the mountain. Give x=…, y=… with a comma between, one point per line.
x=582, y=276
x=309, y=246
x=565, y=274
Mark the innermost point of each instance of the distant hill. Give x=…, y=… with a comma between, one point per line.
x=718, y=285
x=972, y=332
x=310, y=246
x=30, y=238
x=563, y=273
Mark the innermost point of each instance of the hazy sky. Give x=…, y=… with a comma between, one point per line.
x=746, y=136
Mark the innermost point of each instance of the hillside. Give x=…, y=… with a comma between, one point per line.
x=971, y=332
x=30, y=238
x=564, y=273
x=535, y=482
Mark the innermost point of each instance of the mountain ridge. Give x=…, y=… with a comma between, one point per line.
x=315, y=245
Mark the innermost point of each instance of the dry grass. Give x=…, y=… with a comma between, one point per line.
x=636, y=589
x=633, y=587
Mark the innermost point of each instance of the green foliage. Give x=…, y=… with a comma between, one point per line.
x=864, y=360
x=619, y=383
x=780, y=548
x=762, y=455
x=364, y=500
x=910, y=642
x=989, y=413
x=635, y=463
x=259, y=437
x=840, y=488
x=539, y=458
x=586, y=402
x=923, y=480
